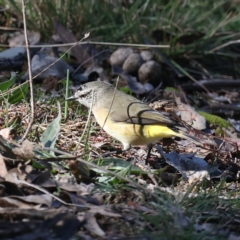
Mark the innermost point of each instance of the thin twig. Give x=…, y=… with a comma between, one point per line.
x=87, y=125
x=94, y=43
x=9, y=29
x=224, y=45
x=30, y=73
x=113, y=98
x=189, y=75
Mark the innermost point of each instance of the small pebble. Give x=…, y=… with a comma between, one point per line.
x=120, y=55
x=133, y=63
x=146, y=55
x=150, y=72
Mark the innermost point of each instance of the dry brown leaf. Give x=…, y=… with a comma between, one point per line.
x=67, y=186
x=103, y=210
x=78, y=169
x=25, y=151
x=19, y=39
x=191, y=116
x=191, y=167
x=90, y=223
x=4, y=203
x=73, y=198
x=14, y=174
x=85, y=189
x=3, y=169
x=80, y=52
x=5, y=132
x=11, y=202
x=43, y=199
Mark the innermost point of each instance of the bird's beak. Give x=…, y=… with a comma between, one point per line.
x=71, y=98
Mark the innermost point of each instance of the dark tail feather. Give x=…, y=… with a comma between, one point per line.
x=190, y=138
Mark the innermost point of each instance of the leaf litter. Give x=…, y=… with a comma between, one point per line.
x=89, y=195
x=99, y=203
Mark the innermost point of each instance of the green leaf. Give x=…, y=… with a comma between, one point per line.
x=103, y=179
x=16, y=6
x=214, y=119
x=125, y=172
x=49, y=137
x=18, y=94
x=37, y=165
x=127, y=90
x=7, y=84
x=118, y=165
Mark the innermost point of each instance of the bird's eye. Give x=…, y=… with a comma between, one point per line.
x=80, y=88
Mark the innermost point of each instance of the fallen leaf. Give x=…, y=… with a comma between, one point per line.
x=79, y=169
x=43, y=199
x=80, y=52
x=50, y=135
x=190, y=115
x=3, y=169
x=40, y=61
x=191, y=167
x=90, y=223
x=5, y=132
x=25, y=150
x=19, y=39
x=9, y=202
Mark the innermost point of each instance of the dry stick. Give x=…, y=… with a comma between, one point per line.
x=94, y=43
x=113, y=98
x=224, y=45
x=194, y=80
x=30, y=73
x=10, y=29
x=87, y=125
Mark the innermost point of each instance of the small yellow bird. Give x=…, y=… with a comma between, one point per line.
x=126, y=118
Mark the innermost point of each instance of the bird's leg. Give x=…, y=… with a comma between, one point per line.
x=149, y=153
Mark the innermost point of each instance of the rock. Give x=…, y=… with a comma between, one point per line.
x=19, y=39
x=120, y=55
x=133, y=63
x=148, y=87
x=14, y=58
x=42, y=61
x=146, y=55
x=150, y=72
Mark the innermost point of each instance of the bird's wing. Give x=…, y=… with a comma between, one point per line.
x=140, y=113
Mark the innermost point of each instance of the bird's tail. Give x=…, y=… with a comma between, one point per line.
x=189, y=137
